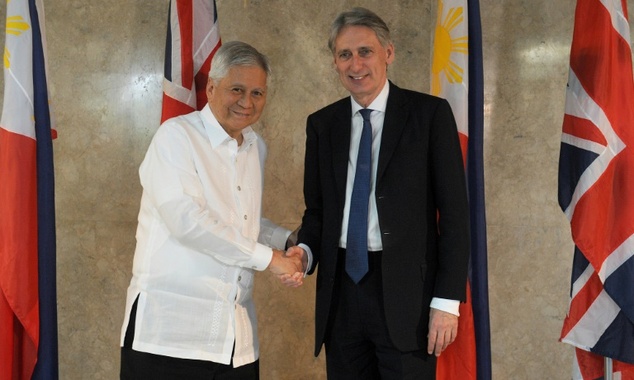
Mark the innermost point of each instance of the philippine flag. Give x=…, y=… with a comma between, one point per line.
x=28, y=301
x=457, y=75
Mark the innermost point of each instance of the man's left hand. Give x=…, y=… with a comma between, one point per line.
x=443, y=329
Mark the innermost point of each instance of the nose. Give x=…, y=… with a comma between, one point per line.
x=245, y=101
x=356, y=62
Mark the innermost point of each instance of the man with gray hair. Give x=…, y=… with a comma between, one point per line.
x=200, y=236
x=386, y=217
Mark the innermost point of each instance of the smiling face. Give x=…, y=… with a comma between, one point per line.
x=237, y=100
x=362, y=62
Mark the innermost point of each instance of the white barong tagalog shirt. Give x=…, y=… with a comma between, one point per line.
x=199, y=239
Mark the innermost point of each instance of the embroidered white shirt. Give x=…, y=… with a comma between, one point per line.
x=199, y=239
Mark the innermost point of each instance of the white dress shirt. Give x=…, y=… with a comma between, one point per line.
x=199, y=239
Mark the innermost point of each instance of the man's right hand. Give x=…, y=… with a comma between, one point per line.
x=289, y=269
x=296, y=251
x=295, y=279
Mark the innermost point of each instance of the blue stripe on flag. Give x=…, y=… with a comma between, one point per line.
x=579, y=266
x=168, y=45
x=47, y=361
x=573, y=161
x=614, y=285
x=215, y=13
x=475, y=174
x=620, y=327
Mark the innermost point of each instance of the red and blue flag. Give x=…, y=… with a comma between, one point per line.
x=28, y=295
x=193, y=37
x=596, y=189
x=457, y=75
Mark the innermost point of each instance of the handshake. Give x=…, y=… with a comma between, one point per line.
x=289, y=266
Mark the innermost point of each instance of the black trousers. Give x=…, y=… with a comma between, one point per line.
x=358, y=345
x=143, y=366
x=136, y=365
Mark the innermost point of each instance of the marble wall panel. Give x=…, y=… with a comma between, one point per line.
x=105, y=61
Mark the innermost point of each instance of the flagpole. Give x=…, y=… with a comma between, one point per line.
x=607, y=368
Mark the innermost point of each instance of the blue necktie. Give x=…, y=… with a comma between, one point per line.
x=357, y=243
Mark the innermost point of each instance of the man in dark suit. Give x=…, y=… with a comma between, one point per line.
x=394, y=316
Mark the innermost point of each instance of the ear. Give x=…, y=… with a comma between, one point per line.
x=209, y=90
x=390, y=54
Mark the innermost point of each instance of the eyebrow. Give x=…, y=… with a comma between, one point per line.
x=364, y=47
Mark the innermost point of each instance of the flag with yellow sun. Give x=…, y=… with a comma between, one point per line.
x=449, y=69
x=457, y=75
x=28, y=299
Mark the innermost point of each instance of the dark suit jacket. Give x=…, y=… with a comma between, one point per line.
x=422, y=209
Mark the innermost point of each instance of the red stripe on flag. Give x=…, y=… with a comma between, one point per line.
x=19, y=306
x=202, y=78
x=591, y=366
x=464, y=146
x=589, y=62
x=186, y=25
x=583, y=128
x=173, y=108
x=579, y=304
x=603, y=217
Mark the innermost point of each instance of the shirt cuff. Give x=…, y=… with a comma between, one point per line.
x=309, y=253
x=447, y=305
x=261, y=258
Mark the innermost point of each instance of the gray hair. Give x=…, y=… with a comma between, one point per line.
x=236, y=53
x=359, y=17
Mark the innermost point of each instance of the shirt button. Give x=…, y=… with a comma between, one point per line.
x=245, y=217
x=239, y=278
x=239, y=188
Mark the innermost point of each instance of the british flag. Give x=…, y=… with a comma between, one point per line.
x=192, y=40
x=596, y=189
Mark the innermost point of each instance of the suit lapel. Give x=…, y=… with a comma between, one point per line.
x=340, y=143
x=396, y=114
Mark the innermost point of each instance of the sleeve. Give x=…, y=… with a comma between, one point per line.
x=169, y=177
x=273, y=235
x=310, y=233
x=450, y=194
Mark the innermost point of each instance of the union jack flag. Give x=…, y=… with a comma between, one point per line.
x=192, y=40
x=596, y=189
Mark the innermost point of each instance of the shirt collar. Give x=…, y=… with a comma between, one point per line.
x=378, y=104
x=217, y=135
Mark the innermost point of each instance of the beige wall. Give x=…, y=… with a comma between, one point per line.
x=105, y=61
